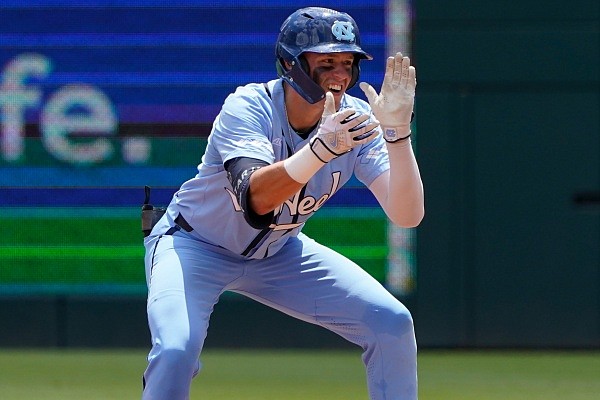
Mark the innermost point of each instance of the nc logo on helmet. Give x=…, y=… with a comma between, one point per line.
x=342, y=30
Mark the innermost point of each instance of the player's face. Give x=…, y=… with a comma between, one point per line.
x=332, y=71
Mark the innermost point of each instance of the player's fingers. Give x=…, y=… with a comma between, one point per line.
x=397, y=69
x=412, y=78
x=369, y=91
x=344, y=115
x=389, y=71
x=329, y=107
x=353, y=122
x=405, y=68
x=366, y=133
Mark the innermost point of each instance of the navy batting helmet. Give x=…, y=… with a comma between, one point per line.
x=317, y=30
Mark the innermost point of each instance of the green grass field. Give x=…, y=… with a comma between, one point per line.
x=295, y=375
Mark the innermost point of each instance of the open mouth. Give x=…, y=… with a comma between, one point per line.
x=333, y=88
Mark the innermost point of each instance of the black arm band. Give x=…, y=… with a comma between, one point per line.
x=239, y=171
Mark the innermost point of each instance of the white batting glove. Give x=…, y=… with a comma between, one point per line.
x=340, y=131
x=394, y=105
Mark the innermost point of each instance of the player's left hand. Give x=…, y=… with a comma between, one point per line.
x=393, y=107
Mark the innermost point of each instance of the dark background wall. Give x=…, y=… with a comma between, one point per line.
x=508, y=141
x=508, y=135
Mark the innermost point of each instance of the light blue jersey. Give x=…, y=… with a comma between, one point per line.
x=253, y=123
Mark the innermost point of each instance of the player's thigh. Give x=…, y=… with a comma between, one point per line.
x=354, y=304
x=314, y=283
x=185, y=281
x=181, y=263
x=353, y=293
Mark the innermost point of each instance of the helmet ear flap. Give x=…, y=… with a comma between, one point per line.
x=304, y=64
x=280, y=66
x=297, y=77
x=283, y=69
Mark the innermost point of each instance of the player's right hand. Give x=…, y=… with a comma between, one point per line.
x=341, y=131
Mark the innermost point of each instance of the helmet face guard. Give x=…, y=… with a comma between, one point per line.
x=317, y=30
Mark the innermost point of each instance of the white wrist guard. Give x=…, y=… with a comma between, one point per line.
x=302, y=165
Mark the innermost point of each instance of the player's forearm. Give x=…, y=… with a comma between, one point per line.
x=405, y=195
x=400, y=190
x=270, y=187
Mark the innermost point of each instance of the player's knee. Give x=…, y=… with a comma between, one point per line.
x=179, y=360
x=169, y=374
x=403, y=322
x=396, y=322
x=180, y=365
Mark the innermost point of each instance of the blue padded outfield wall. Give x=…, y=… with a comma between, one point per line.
x=101, y=98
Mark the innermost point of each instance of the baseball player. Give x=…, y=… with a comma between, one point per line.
x=277, y=152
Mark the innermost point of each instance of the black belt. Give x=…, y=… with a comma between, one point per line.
x=181, y=224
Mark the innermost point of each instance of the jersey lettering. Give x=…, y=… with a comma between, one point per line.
x=296, y=205
x=285, y=227
x=308, y=204
x=236, y=205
